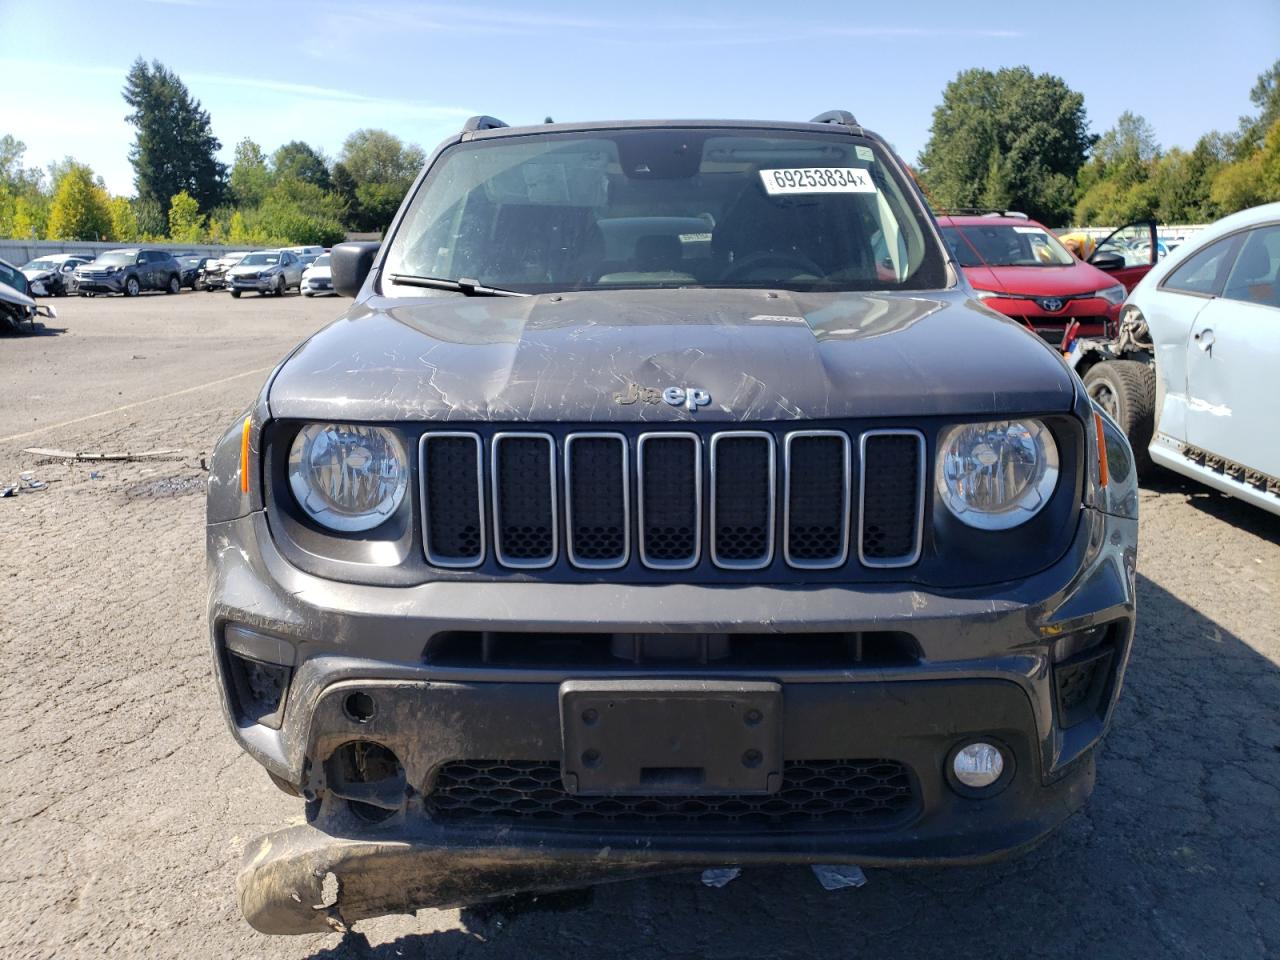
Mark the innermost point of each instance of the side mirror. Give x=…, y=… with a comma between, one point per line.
x=349, y=265
x=1108, y=260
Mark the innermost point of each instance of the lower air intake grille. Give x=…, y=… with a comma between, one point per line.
x=892, y=497
x=524, y=499
x=452, y=485
x=815, y=794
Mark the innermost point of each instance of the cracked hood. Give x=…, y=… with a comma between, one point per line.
x=761, y=356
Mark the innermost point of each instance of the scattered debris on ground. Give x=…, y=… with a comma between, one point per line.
x=52, y=454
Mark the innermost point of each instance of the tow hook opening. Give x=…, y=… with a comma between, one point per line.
x=369, y=777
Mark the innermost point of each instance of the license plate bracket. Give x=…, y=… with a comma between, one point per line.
x=657, y=737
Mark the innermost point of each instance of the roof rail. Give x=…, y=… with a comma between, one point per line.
x=978, y=212
x=482, y=123
x=839, y=116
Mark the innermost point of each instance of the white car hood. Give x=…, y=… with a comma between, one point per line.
x=317, y=273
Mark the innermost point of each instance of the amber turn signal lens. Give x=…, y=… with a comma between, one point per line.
x=1102, y=448
x=244, y=455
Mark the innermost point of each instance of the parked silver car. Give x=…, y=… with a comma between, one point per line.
x=270, y=271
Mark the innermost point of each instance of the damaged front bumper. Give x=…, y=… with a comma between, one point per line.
x=412, y=831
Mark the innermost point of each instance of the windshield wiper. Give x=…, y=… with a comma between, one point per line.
x=464, y=285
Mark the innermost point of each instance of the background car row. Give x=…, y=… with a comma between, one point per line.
x=134, y=270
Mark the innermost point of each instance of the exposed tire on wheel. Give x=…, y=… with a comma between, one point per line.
x=235, y=294
x=175, y=284
x=281, y=286
x=1126, y=389
x=132, y=287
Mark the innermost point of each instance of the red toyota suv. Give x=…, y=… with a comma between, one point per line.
x=1021, y=269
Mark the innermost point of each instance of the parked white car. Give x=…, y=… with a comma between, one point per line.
x=316, y=279
x=1207, y=319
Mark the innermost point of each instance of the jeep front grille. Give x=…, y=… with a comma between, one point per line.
x=512, y=491
x=815, y=795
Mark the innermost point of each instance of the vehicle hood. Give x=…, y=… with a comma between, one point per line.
x=574, y=357
x=34, y=275
x=240, y=270
x=317, y=273
x=1042, y=281
x=9, y=295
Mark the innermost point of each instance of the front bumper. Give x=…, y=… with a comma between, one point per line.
x=101, y=285
x=261, y=284
x=1094, y=314
x=985, y=670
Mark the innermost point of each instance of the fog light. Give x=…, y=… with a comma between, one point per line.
x=978, y=765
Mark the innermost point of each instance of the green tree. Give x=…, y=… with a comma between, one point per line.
x=153, y=219
x=1252, y=180
x=174, y=148
x=301, y=161
x=81, y=209
x=250, y=177
x=1005, y=139
x=186, y=225
x=124, y=222
x=24, y=206
x=1265, y=95
x=1115, y=185
x=382, y=167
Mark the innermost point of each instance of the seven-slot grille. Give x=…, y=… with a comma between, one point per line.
x=524, y=477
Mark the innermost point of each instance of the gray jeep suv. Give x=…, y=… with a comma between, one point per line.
x=664, y=500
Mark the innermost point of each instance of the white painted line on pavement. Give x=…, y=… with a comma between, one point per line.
x=136, y=403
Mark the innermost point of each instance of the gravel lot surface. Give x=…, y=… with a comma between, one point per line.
x=124, y=805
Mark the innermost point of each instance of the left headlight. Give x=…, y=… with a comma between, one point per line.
x=348, y=477
x=996, y=475
x=1113, y=295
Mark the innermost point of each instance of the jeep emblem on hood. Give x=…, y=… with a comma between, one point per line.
x=691, y=398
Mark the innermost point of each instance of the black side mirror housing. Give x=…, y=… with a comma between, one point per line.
x=1108, y=260
x=349, y=265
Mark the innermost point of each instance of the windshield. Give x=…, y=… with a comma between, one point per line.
x=116, y=259
x=260, y=260
x=1001, y=245
x=13, y=278
x=42, y=265
x=191, y=261
x=666, y=208
x=321, y=261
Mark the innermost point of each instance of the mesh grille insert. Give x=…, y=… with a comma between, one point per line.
x=525, y=500
x=817, y=523
x=815, y=794
x=669, y=494
x=451, y=465
x=743, y=499
x=597, y=499
x=891, y=497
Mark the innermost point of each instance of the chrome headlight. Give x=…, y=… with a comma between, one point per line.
x=348, y=477
x=996, y=475
x=1113, y=295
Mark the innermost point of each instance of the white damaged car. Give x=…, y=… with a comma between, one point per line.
x=317, y=281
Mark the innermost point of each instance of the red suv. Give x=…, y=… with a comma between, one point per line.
x=1021, y=269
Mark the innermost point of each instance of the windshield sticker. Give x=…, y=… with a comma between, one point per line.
x=817, y=180
x=864, y=153
x=1027, y=230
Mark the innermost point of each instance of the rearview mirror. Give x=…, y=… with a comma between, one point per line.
x=349, y=265
x=1108, y=260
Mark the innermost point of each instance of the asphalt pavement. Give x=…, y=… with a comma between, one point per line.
x=125, y=805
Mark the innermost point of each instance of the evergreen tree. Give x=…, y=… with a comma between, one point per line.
x=174, y=148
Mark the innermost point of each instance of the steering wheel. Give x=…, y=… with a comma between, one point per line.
x=753, y=261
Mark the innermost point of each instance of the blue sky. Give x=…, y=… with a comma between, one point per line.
x=282, y=71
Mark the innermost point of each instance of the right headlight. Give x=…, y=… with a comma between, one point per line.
x=348, y=477
x=996, y=475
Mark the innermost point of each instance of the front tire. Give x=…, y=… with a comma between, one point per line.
x=132, y=287
x=1126, y=389
x=175, y=285
x=281, y=286
x=235, y=294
